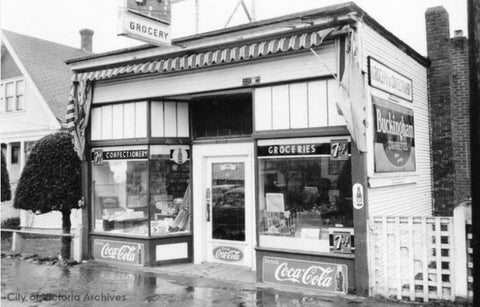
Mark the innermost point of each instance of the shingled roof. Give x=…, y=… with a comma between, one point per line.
x=44, y=61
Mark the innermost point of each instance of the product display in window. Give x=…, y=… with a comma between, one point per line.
x=120, y=196
x=304, y=198
x=170, y=191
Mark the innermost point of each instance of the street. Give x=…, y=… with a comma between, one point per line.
x=94, y=284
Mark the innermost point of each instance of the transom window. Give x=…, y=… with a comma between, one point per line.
x=12, y=96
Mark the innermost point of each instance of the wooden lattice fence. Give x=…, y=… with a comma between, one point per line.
x=411, y=258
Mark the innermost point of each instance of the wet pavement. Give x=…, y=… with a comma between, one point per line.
x=95, y=284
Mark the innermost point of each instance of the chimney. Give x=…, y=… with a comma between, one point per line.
x=86, y=39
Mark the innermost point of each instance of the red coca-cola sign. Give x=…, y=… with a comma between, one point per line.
x=327, y=277
x=125, y=252
x=228, y=253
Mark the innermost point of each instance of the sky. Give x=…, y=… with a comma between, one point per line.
x=60, y=20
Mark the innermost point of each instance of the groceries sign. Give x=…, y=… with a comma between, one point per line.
x=115, y=251
x=388, y=80
x=394, y=137
x=328, y=277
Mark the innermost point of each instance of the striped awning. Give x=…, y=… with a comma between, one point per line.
x=215, y=57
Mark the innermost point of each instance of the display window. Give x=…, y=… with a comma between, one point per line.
x=141, y=191
x=305, y=195
x=170, y=190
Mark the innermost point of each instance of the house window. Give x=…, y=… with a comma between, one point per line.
x=15, y=153
x=12, y=96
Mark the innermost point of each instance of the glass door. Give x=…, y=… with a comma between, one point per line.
x=226, y=208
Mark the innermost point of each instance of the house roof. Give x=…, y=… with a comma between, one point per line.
x=44, y=61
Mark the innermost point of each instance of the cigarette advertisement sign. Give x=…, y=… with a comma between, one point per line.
x=328, y=277
x=394, y=137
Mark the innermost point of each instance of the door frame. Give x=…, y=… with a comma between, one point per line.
x=201, y=154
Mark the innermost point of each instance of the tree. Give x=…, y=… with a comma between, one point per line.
x=51, y=180
x=6, y=193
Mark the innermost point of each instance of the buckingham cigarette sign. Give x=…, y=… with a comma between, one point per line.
x=394, y=137
x=328, y=277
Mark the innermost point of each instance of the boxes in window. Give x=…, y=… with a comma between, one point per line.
x=308, y=220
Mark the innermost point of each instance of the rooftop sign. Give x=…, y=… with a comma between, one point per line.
x=146, y=20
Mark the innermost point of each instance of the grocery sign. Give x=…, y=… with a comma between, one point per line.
x=115, y=251
x=146, y=20
x=328, y=277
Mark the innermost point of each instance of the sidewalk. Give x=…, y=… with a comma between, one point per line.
x=231, y=274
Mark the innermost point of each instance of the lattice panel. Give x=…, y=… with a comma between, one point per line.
x=411, y=258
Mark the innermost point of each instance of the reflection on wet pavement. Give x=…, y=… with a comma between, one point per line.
x=93, y=284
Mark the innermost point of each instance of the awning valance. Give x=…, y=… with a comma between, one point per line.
x=215, y=57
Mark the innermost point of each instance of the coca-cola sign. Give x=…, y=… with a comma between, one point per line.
x=116, y=251
x=328, y=277
x=227, y=253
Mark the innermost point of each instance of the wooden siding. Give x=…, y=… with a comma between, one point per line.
x=278, y=69
x=411, y=199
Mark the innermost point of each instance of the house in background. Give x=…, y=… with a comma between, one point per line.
x=34, y=88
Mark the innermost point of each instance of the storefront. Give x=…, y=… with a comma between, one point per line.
x=258, y=145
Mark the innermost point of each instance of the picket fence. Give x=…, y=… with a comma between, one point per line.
x=421, y=258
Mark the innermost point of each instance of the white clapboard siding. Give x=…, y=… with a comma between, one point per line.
x=278, y=69
x=413, y=199
x=297, y=105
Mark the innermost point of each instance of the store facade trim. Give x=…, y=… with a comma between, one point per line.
x=215, y=57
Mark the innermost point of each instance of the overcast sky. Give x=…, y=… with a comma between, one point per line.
x=60, y=20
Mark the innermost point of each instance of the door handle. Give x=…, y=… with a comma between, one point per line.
x=208, y=200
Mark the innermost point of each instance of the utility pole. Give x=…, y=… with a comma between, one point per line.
x=474, y=59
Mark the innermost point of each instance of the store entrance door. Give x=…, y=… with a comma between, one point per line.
x=227, y=204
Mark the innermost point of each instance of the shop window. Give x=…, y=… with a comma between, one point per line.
x=305, y=198
x=124, y=180
x=222, y=116
x=120, y=196
x=15, y=153
x=170, y=191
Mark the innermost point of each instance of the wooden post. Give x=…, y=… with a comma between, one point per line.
x=460, y=251
x=474, y=54
x=359, y=175
x=17, y=241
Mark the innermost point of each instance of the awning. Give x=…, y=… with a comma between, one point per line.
x=235, y=54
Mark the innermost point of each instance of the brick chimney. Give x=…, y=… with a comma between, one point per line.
x=448, y=91
x=86, y=39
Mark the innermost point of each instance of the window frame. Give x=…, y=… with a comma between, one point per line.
x=15, y=95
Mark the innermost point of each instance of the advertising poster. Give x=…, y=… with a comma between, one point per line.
x=394, y=137
x=328, y=277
